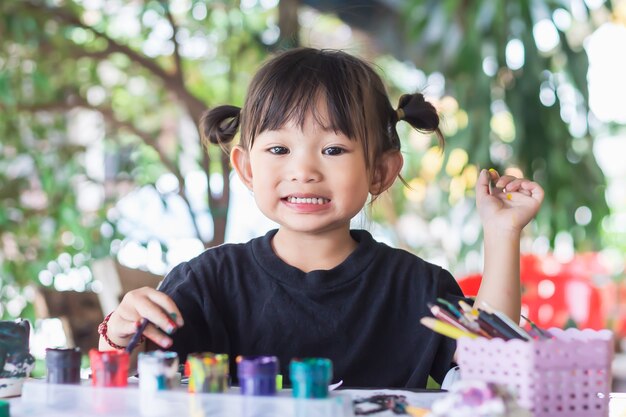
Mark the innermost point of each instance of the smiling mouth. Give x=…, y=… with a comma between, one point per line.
x=307, y=200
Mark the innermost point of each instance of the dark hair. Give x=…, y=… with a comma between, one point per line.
x=288, y=86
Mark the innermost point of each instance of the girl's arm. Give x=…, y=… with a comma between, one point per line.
x=505, y=204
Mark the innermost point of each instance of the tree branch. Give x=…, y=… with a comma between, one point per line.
x=66, y=16
x=174, y=82
x=177, y=60
x=74, y=101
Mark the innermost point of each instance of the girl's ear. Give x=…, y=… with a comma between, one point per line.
x=241, y=162
x=386, y=172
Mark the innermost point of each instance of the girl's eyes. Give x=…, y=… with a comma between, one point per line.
x=333, y=150
x=278, y=150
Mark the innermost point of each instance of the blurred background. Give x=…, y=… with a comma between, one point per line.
x=104, y=185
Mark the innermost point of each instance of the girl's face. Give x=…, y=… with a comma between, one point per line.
x=309, y=180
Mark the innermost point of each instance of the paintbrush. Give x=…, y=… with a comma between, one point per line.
x=543, y=334
x=137, y=336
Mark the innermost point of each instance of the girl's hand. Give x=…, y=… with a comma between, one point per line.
x=155, y=306
x=506, y=203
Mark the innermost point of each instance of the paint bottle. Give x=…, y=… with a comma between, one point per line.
x=5, y=411
x=63, y=366
x=109, y=368
x=257, y=374
x=310, y=377
x=209, y=372
x=16, y=362
x=158, y=370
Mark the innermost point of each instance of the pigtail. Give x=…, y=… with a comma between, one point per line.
x=420, y=114
x=219, y=125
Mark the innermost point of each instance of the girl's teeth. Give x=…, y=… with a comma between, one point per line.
x=296, y=200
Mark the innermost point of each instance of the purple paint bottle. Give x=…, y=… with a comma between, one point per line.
x=257, y=374
x=63, y=366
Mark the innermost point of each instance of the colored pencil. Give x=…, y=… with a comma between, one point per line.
x=447, y=317
x=445, y=328
x=450, y=307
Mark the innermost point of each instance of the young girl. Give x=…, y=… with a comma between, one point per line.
x=318, y=138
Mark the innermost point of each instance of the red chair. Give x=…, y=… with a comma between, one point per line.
x=556, y=294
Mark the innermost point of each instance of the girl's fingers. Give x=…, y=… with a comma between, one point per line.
x=493, y=174
x=167, y=304
x=494, y=178
x=157, y=336
x=157, y=316
x=124, y=326
x=535, y=190
x=506, y=181
x=482, y=184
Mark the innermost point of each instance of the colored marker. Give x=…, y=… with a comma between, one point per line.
x=445, y=328
x=504, y=331
x=506, y=320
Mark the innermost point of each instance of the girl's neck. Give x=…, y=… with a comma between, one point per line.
x=313, y=252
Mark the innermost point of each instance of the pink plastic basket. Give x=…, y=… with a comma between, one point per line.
x=566, y=376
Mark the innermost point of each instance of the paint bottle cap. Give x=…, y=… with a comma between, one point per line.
x=216, y=361
x=159, y=357
x=63, y=358
x=317, y=369
x=252, y=366
x=4, y=409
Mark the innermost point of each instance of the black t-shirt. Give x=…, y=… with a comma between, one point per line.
x=242, y=299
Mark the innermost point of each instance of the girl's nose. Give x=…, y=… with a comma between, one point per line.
x=304, y=170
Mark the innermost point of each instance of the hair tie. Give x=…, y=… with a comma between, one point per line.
x=400, y=114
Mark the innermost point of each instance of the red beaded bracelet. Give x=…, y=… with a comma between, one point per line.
x=102, y=331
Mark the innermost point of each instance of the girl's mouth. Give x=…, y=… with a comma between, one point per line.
x=307, y=200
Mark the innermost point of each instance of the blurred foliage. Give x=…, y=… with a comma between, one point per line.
x=128, y=80
x=530, y=118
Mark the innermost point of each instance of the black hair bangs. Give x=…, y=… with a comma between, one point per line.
x=306, y=84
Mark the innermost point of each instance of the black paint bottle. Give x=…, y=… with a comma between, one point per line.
x=63, y=366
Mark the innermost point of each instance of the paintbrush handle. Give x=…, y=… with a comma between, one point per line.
x=137, y=336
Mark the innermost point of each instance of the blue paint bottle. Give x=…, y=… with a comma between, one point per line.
x=257, y=374
x=310, y=377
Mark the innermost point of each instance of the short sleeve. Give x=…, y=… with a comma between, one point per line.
x=448, y=288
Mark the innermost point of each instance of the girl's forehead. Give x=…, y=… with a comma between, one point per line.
x=310, y=128
x=315, y=118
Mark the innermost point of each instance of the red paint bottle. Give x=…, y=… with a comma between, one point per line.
x=109, y=368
